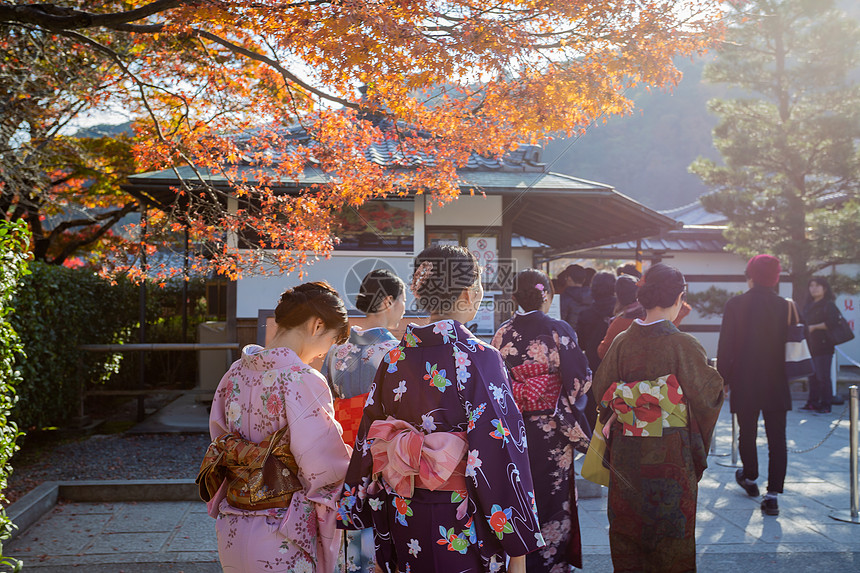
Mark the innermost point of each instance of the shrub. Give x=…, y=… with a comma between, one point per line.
x=13, y=253
x=56, y=310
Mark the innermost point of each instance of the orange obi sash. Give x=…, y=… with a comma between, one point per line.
x=259, y=476
x=348, y=412
x=534, y=388
x=407, y=458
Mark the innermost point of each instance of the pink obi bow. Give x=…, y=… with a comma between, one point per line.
x=534, y=387
x=407, y=458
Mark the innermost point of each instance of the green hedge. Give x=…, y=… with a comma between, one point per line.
x=13, y=253
x=56, y=310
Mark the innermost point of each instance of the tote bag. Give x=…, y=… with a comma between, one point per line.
x=840, y=332
x=798, y=361
x=592, y=466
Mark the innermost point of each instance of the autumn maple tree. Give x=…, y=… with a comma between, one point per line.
x=254, y=90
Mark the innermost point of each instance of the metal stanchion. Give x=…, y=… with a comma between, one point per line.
x=735, y=431
x=852, y=516
x=712, y=362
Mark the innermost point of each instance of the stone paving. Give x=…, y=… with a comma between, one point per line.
x=731, y=531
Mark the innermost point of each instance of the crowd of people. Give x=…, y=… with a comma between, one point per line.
x=439, y=451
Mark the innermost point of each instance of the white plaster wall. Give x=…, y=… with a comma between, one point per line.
x=467, y=211
x=262, y=292
x=523, y=257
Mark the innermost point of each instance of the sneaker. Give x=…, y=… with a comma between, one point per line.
x=769, y=506
x=809, y=406
x=823, y=410
x=750, y=487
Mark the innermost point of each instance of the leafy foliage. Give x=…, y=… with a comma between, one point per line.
x=56, y=310
x=437, y=81
x=710, y=302
x=13, y=249
x=791, y=178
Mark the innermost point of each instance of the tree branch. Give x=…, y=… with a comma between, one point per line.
x=111, y=220
x=52, y=17
x=241, y=50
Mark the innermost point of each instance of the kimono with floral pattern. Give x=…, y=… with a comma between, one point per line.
x=262, y=392
x=350, y=367
x=535, y=338
x=443, y=379
x=653, y=486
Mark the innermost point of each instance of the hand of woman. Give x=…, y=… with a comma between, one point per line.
x=518, y=564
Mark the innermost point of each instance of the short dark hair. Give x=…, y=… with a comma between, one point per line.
x=527, y=294
x=603, y=285
x=454, y=269
x=576, y=273
x=660, y=286
x=376, y=286
x=628, y=269
x=309, y=300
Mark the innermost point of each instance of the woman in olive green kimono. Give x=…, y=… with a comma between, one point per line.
x=661, y=401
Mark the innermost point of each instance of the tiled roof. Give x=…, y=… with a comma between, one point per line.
x=391, y=153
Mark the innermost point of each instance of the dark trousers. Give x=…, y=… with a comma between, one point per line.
x=777, y=453
x=820, y=383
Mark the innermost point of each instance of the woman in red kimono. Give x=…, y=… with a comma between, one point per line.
x=549, y=374
x=440, y=467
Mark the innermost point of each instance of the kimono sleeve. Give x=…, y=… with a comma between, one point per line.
x=498, y=476
x=354, y=509
x=702, y=385
x=573, y=364
x=315, y=441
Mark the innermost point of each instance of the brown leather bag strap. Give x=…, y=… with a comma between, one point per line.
x=793, y=314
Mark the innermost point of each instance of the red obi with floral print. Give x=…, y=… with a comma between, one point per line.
x=535, y=388
x=645, y=407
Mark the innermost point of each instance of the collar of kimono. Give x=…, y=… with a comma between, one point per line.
x=407, y=458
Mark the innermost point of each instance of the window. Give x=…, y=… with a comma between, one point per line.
x=376, y=226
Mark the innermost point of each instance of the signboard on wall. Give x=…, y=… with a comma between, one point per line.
x=486, y=251
x=484, y=323
x=849, y=306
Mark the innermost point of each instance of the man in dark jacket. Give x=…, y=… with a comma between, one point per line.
x=751, y=360
x=576, y=297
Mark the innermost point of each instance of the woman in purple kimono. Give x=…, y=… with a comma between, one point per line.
x=440, y=468
x=549, y=373
x=272, y=396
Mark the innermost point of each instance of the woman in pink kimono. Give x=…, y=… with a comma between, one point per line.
x=291, y=525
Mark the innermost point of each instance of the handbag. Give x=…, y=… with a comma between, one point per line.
x=798, y=360
x=840, y=332
x=593, y=467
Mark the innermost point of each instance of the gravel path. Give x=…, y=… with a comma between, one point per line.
x=113, y=456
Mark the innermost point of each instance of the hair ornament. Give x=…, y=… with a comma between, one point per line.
x=420, y=276
x=542, y=290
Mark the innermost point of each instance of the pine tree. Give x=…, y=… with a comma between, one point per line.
x=789, y=140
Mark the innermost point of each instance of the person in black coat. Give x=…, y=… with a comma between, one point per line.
x=751, y=360
x=591, y=328
x=819, y=313
x=575, y=297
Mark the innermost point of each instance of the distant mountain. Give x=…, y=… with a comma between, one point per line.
x=645, y=155
x=103, y=129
